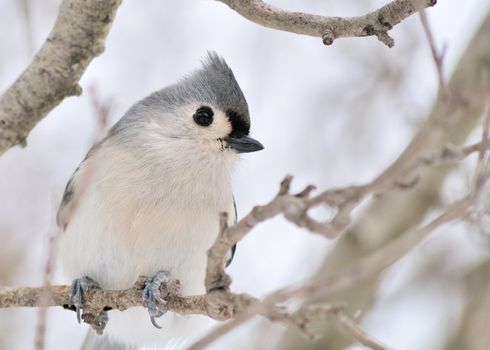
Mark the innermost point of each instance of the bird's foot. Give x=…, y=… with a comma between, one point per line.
x=152, y=297
x=78, y=288
x=97, y=320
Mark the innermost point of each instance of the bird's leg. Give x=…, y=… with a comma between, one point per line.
x=152, y=297
x=78, y=288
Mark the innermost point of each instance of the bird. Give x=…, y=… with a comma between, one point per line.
x=146, y=201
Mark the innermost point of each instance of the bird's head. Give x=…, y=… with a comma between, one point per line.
x=205, y=112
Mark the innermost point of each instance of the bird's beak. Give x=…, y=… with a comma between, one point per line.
x=244, y=144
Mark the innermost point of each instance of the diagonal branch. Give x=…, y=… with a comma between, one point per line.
x=376, y=23
x=76, y=38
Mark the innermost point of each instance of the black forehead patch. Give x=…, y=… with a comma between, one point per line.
x=239, y=125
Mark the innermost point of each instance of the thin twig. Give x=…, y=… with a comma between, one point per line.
x=437, y=56
x=40, y=335
x=350, y=328
x=482, y=164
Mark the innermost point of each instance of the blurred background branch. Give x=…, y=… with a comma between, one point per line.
x=472, y=333
x=449, y=121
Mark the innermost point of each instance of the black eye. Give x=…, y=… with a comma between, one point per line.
x=204, y=116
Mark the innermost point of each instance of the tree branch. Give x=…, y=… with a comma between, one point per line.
x=76, y=38
x=99, y=299
x=218, y=305
x=376, y=23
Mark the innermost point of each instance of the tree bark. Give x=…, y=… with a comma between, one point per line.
x=76, y=38
x=376, y=23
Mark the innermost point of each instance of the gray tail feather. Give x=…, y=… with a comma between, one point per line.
x=100, y=342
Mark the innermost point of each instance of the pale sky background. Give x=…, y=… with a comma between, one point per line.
x=330, y=116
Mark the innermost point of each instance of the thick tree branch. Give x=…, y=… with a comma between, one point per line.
x=100, y=299
x=218, y=305
x=76, y=38
x=376, y=23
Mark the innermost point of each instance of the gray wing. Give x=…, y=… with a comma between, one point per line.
x=233, y=249
x=62, y=217
x=66, y=206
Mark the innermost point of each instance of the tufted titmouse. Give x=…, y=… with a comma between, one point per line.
x=146, y=199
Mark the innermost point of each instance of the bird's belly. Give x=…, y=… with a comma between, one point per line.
x=115, y=245
x=181, y=250
x=116, y=265
x=115, y=248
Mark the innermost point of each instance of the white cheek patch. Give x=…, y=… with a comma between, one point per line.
x=221, y=126
x=211, y=137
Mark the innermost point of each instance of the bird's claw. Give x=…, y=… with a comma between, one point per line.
x=78, y=287
x=100, y=323
x=152, y=297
